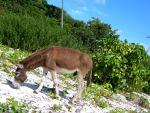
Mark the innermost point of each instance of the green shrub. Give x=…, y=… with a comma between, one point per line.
x=131, y=96
x=144, y=102
x=117, y=110
x=31, y=33
x=102, y=103
x=57, y=107
x=68, y=107
x=95, y=90
x=13, y=106
x=53, y=95
x=120, y=64
x=94, y=93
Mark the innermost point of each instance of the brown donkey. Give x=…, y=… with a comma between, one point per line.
x=56, y=60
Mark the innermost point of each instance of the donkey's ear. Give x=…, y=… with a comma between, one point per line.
x=19, y=66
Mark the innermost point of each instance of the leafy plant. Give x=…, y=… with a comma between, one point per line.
x=120, y=64
x=65, y=91
x=9, y=57
x=53, y=95
x=31, y=33
x=102, y=103
x=94, y=93
x=131, y=96
x=57, y=107
x=95, y=90
x=144, y=102
x=17, y=56
x=68, y=107
x=117, y=110
x=13, y=106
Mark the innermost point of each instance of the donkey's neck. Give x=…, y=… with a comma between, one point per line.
x=32, y=62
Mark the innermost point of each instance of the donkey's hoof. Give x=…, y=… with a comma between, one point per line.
x=36, y=92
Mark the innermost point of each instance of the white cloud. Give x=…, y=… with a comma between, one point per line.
x=100, y=1
x=80, y=10
x=119, y=32
x=76, y=11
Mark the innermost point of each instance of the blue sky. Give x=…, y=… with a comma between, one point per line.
x=130, y=17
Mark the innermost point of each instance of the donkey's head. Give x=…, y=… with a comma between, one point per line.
x=20, y=76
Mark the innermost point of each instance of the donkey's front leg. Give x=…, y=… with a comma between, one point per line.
x=45, y=71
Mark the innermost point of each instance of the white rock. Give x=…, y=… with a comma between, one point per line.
x=119, y=97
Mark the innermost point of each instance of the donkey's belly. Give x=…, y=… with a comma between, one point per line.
x=67, y=71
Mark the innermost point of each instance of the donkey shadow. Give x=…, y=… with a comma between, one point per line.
x=45, y=90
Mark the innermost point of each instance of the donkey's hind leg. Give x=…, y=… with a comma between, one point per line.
x=55, y=81
x=80, y=88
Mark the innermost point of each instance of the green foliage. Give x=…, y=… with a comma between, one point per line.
x=56, y=107
x=53, y=95
x=131, y=96
x=95, y=90
x=90, y=32
x=68, y=107
x=24, y=7
x=26, y=25
x=13, y=106
x=95, y=93
x=17, y=56
x=102, y=103
x=144, y=103
x=9, y=57
x=65, y=91
x=71, y=76
x=120, y=64
x=34, y=24
x=29, y=33
x=117, y=110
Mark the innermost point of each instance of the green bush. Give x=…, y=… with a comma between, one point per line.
x=30, y=33
x=56, y=107
x=95, y=93
x=144, y=102
x=102, y=103
x=13, y=106
x=120, y=64
x=117, y=110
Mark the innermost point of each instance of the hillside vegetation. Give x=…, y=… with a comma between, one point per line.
x=33, y=24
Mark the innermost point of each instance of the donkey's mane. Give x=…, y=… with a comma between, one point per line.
x=34, y=60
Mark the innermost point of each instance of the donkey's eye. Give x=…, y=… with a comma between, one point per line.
x=17, y=75
x=16, y=78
